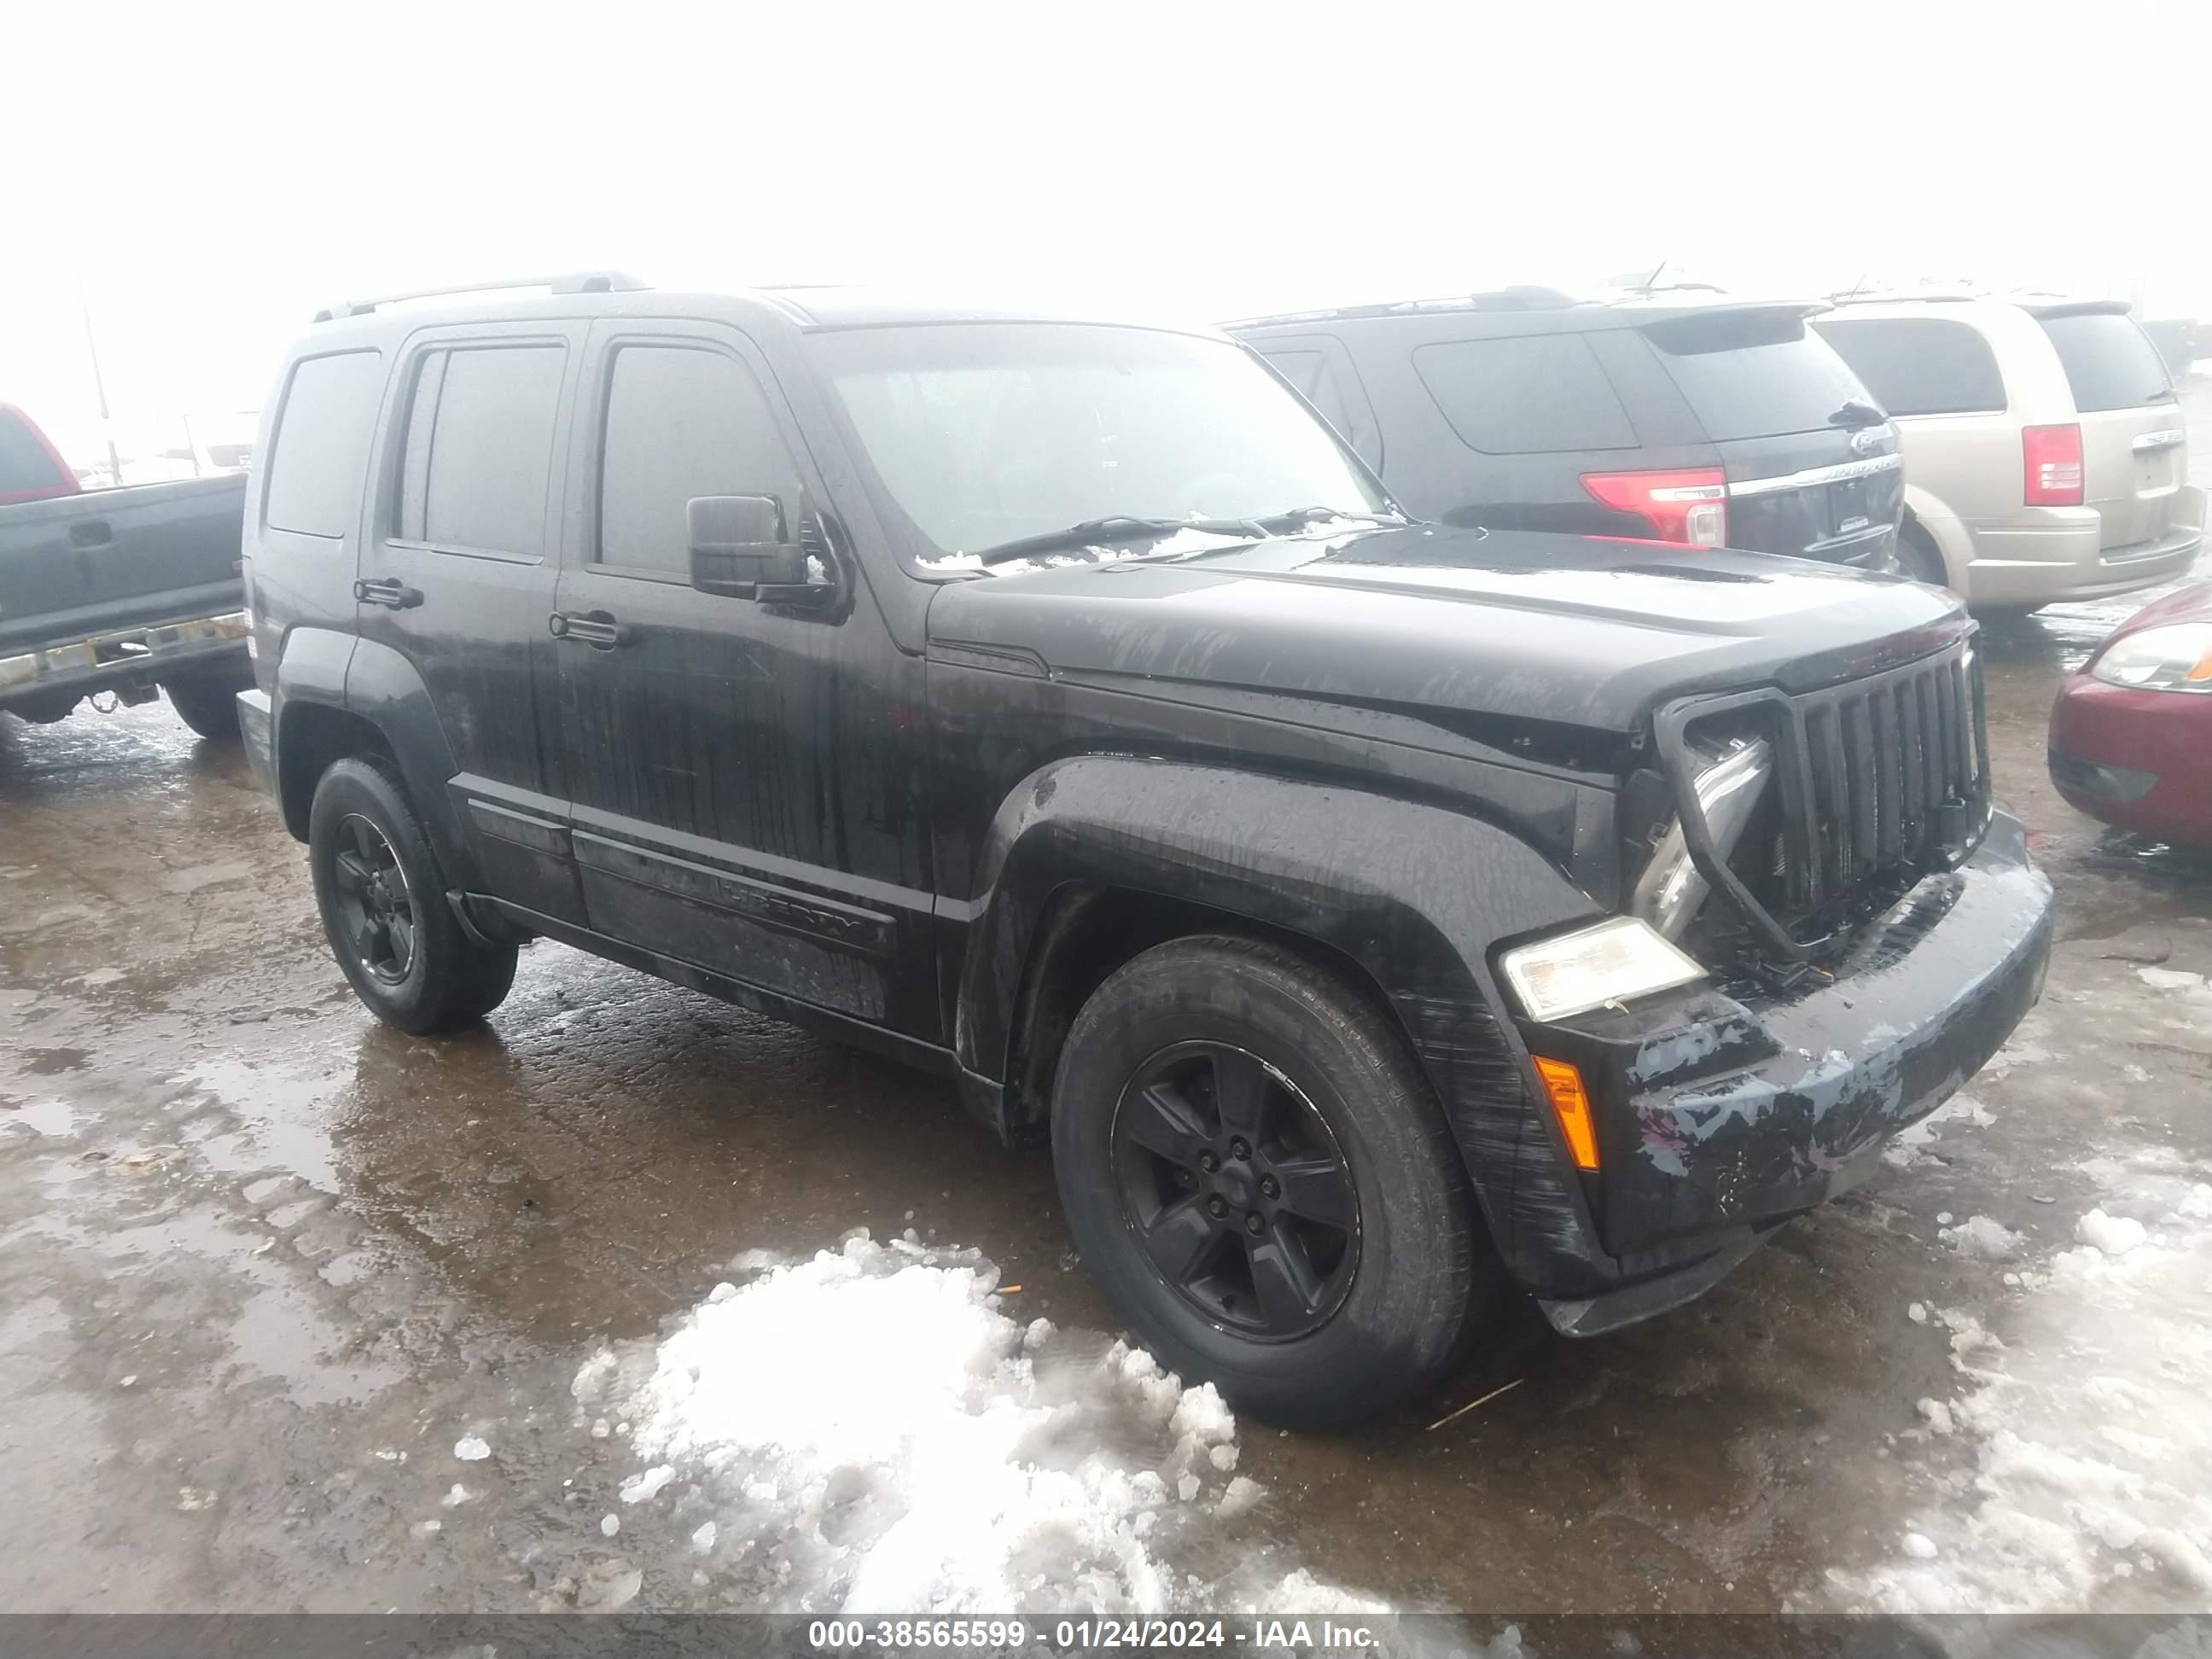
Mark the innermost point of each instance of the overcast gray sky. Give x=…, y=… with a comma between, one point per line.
x=207, y=175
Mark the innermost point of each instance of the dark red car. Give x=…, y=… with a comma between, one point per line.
x=2131, y=732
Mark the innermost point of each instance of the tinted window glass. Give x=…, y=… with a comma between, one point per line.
x=1321, y=383
x=985, y=433
x=321, y=447
x=24, y=464
x=479, y=446
x=1530, y=395
x=1752, y=377
x=1919, y=365
x=680, y=423
x=2110, y=362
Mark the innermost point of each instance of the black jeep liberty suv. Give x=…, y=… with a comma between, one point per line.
x=1374, y=917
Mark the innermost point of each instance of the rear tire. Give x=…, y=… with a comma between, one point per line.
x=383, y=902
x=1310, y=1299
x=208, y=702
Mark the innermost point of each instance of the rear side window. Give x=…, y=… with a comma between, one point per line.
x=1533, y=394
x=680, y=422
x=1754, y=376
x=26, y=467
x=1919, y=365
x=320, y=451
x=2110, y=362
x=480, y=448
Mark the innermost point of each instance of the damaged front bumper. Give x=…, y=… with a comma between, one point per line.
x=1718, y=1120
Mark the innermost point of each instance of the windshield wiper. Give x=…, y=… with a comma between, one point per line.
x=1119, y=527
x=1298, y=517
x=1857, y=412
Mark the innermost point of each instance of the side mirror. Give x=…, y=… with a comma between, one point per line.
x=738, y=547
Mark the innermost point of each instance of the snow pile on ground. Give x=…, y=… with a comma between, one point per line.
x=2090, y=1423
x=868, y=1431
x=1979, y=1235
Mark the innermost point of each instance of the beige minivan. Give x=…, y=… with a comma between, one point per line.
x=2046, y=455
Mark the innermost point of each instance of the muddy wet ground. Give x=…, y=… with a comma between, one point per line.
x=263, y=1262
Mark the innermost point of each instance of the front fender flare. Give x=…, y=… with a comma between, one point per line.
x=1415, y=894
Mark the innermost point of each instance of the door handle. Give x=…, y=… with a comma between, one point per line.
x=91, y=532
x=392, y=595
x=596, y=629
x=2151, y=442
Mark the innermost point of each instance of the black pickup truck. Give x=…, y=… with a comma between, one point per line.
x=130, y=592
x=1372, y=916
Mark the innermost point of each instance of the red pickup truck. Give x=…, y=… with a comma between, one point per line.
x=134, y=591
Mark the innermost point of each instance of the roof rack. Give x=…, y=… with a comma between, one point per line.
x=1520, y=296
x=572, y=282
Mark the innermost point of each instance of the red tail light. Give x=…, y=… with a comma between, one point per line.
x=2050, y=465
x=1690, y=508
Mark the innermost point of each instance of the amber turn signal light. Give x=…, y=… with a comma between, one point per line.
x=1571, y=1105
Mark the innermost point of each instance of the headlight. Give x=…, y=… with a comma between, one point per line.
x=2177, y=656
x=1671, y=888
x=1607, y=961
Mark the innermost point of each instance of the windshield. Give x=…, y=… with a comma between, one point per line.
x=985, y=433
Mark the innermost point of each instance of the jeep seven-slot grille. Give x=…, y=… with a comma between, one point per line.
x=1879, y=782
x=1892, y=780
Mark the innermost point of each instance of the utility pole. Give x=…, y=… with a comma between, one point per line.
x=100, y=387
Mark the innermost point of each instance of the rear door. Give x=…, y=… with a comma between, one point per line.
x=458, y=575
x=2135, y=445
x=1772, y=397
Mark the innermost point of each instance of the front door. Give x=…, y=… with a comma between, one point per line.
x=458, y=578
x=745, y=780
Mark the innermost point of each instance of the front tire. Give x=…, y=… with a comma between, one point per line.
x=383, y=902
x=1257, y=1175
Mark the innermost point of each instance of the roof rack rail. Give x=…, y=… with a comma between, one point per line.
x=1520, y=296
x=570, y=281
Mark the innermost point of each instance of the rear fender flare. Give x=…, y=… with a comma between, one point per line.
x=1413, y=894
x=387, y=690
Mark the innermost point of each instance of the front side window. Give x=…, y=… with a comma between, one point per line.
x=479, y=447
x=682, y=421
x=985, y=433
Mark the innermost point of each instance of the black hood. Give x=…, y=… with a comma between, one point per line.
x=1587, y=632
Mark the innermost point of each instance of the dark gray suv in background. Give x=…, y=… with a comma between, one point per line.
x=1709, y=423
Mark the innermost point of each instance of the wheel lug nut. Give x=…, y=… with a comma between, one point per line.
x=1270, y=1187
x=1217, y=1206
x=1238, y=1149
x=1208, y=1162
x=1253, y=1224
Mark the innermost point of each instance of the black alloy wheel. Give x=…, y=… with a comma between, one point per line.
x=376, y=908
x=1237, y=1190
